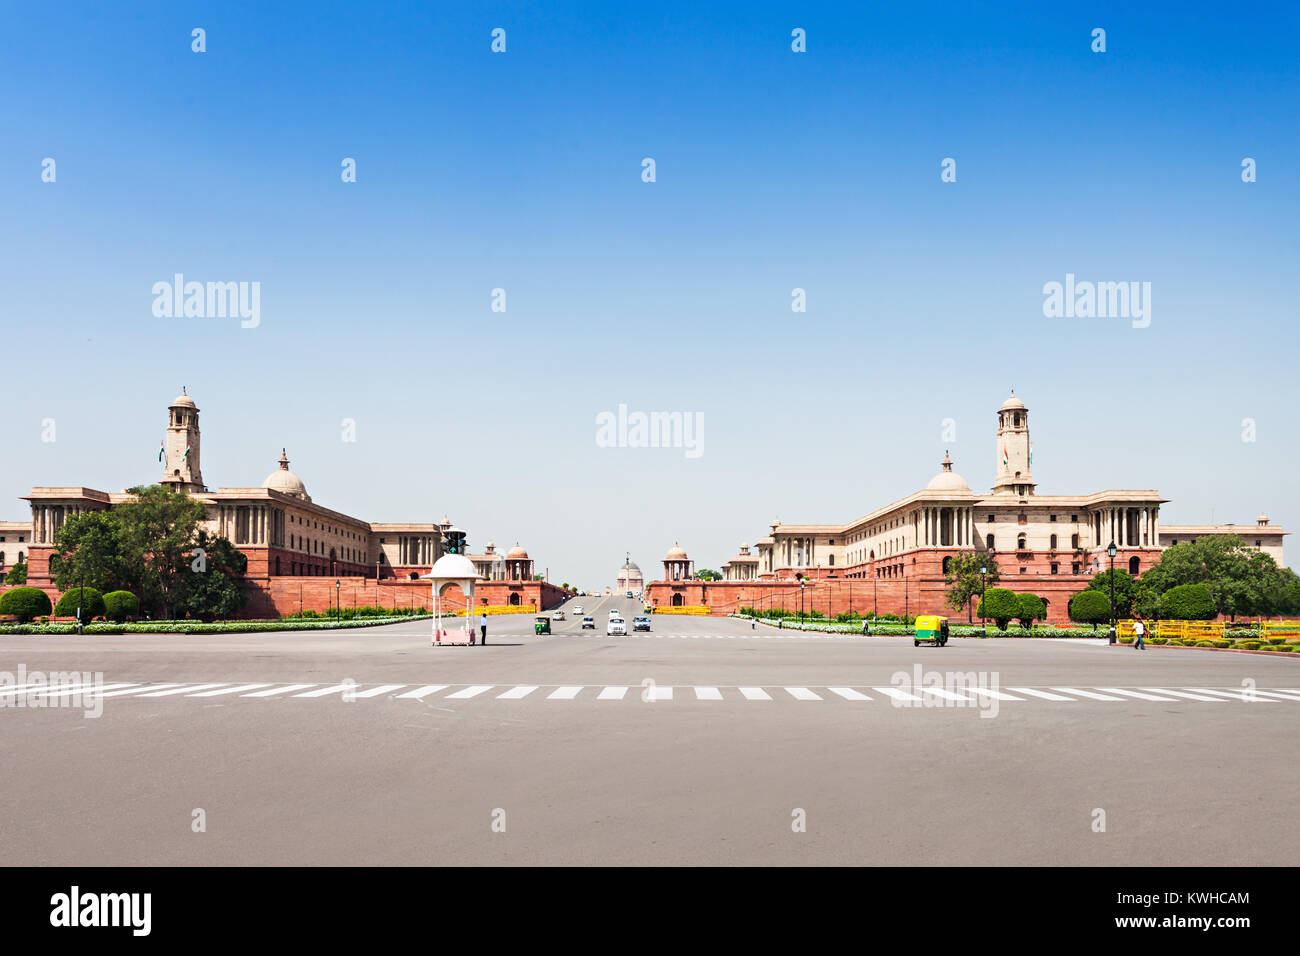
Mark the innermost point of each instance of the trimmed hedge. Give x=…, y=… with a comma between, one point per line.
x=1188, y=602
x=198, y=627
x=25, y=603
x=120, y=605
x=90, y=600
x=1205, y=643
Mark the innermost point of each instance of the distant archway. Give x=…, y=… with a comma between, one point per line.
x=514, y=600
x=1134, y=566
x=678, y=600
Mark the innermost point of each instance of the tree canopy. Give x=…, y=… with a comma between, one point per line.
x=1240, y=579
x=964, y=580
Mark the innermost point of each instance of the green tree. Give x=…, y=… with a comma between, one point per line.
x=88, y=599
x=964, y=580
x=1001, y=605
x=1125, y=589
x=209, y=588
x=24, y=603
x=120, y=605
x=1090, y=606
x=708, y=574
x=17, y=574
x=1188, y=602
x=1031, y=608
x=87, y=552
x=1240, y=579
x=158, y=532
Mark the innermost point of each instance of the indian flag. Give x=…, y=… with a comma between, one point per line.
x=1005, y=460
x=161, y=446
x=187, y=450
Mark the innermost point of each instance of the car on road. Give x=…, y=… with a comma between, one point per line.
x=616, y=626
x=589, y=622
x=558, y=615
x=615, y=612
x=577, y=609
x=640, y=623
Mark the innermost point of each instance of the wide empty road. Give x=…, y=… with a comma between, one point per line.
x=704, y=741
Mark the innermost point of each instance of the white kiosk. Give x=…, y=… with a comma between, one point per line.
x=448, y=570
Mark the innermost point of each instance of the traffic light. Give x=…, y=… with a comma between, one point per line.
x=453, y=541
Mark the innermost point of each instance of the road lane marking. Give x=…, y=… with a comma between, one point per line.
x=1043, y=694
x=943, y=694
x=755, y=693
x=381, y=689
x=801, y=693
x=85, y=691
x=182, y=689
x=227, y=690
x=142, y=687
x=1286, y=694
x=708, y=693
x=612, y=693
x=1086, y=693
x=564, y=693
x=422, y=692
x=848, y=693
x=897, y=694
x=327, y=691
x=469, y=692
x=39, y=689
x=1137, y=694
x=1183, y=693
x=988, y=692
x=517, y=693
x=1235, y=695
x=278, y=690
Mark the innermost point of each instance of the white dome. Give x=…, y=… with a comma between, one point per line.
x=285, y=481
x=452, y=567
x=948, y=480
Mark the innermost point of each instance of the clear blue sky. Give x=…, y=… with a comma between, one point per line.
x=775, y=170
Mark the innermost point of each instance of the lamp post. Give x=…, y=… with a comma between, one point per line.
x=984, y=570
x=338, y=596
x=80, y=591
x=1111, y=551
x=802, y=584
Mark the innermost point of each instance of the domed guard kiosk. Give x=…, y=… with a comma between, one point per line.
x=448, y=570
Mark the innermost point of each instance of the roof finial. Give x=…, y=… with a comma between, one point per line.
x=284, y=460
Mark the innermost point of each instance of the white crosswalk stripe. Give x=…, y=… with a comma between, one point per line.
x=350, y=690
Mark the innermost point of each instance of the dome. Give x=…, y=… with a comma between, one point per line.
x=675, y=553
x=452, y=567
x=948, y=480
x=631, y=566
x=1012, y=403
x=285, y=481
x=517, y=552
x=183, y=399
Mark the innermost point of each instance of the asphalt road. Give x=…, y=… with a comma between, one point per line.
x=702, y=742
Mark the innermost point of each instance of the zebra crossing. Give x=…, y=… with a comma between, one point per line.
x=648, y=691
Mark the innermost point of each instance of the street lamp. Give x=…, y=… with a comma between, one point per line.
x=802, y=584
x=80, y=591
x=984, y=570
x=1111, y=551
x=338, y=610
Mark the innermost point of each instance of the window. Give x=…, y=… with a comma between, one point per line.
x=947, y=564
x=1020, y=543
x=1053, y=518
x=1074, y=568
x=1074, y=541
x=1074, y=518
x=992, y=518
x=1056, y=568
x=1053, y=543
x=1257, y=542
x=1024, y=570
x=1134, y=565
x=988, y=542
x=831, y=560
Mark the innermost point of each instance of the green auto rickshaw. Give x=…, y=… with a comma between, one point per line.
x=932, y=629
x=541, y=624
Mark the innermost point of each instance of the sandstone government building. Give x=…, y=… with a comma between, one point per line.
x=893, y=559
x=301, y=554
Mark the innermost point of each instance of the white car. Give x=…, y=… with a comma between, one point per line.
x=558, y=616
x=615, y=612
x=577, y=609
x=616, y=626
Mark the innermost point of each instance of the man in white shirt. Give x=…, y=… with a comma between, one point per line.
x=1139, y=629
x=482, y=626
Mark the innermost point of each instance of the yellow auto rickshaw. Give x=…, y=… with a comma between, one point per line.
x=541, y=624
x=930, y=628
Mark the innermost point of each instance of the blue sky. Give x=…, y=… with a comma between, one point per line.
x=775, y=170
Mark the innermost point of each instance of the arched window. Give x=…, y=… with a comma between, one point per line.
x=988, y=542
x=677, y=600
x=1074, y=542
x=1053, y=544
x=1020, y=542
x=1134, y=565
x=947, y=564
x=514, y=600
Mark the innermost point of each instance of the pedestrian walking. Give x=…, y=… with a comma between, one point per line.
x=1138, y=630
x=482, y=626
